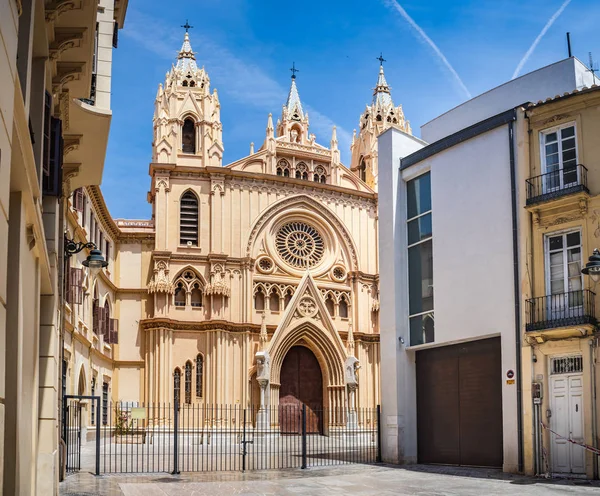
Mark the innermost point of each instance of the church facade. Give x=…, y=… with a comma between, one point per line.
x=255, y=283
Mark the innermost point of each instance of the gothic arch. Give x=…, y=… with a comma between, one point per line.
x=329, y=353
x=188, y=283
x=312, y=206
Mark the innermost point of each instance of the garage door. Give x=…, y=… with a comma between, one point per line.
x=459, y=404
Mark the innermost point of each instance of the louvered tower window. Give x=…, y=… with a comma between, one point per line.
x=188, y=220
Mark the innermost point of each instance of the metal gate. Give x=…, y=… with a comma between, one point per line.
x=74, y=425
x=147, y=438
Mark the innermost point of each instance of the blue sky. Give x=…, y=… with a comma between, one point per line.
x=247, y=48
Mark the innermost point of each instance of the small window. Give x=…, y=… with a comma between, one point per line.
x=329, y=304
x=188, y=382
x=180, y=295
x=343, y=308
x=287, y=298
x=199, y=374
x=196, y=296
x=259, y=300
x=188, y=135
x=274, y=301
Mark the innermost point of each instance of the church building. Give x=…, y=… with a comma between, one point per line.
x=254, y=283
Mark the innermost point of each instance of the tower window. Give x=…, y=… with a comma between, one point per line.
x=343, y=308
x=188, y=136
x=196, y=297
x=180, y=295
x=274, y=301
x=259, y=300
x=184, y=83
x=188, y=219
x=362, y=170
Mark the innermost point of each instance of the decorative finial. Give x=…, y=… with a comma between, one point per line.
x=294, y=70
x=264, y=337
x=350, y=341
x=252, y=148
x=187, y=26
x=380, y=58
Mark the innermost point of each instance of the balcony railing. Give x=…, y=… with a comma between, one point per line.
x=562, y=182
x=561, y=310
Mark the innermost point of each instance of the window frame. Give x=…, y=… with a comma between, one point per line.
x=544, y=168
x=547, y=272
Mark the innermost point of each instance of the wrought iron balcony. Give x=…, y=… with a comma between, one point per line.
x=552, y=185
x=561, y=310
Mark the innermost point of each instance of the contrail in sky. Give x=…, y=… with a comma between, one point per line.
x=393, y=4
x=539, y=37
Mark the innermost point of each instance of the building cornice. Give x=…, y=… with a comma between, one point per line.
x=209, y=325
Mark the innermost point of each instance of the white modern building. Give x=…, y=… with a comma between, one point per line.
x=451, y=311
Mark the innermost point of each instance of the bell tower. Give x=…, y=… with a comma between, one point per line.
x=187, y=116
x=294, y=121
x=377, y=117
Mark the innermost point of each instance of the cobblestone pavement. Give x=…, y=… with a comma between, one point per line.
x=352, y=480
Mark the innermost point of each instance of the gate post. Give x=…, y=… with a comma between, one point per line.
x=378, y=433
x=303, y=436
x=176, y=441
x=97, y=420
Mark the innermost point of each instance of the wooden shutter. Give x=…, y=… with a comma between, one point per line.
x=113, y=333
x=83, y=219
x=75, y=286
x=95, y=317
x=78, y=199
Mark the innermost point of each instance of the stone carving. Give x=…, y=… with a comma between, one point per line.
x=160, y=280
x=263, y=366
x=351, y=372
x=218, y=283
x=307, y=306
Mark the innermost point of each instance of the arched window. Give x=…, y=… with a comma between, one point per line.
x=81, y=384
x=362, y=170
x=106, y=321
x=188, y=382
x=192, y=84
x=184, y=83
x=378, y=118
x=274, y=301
x=287, y=298
x=196, y=297
x=199, y=371
x=95, y=312
x=188, y=219
x=180, y=295
x=329, y=304
x=188, y=136
x=343, y=308
x=259, y=300
x=283, y=168
x=302, y=171
x=177, y=385
x=319, y=176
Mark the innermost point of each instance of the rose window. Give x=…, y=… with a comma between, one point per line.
x=300, y=244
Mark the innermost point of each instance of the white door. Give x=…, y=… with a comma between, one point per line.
x=566, y=403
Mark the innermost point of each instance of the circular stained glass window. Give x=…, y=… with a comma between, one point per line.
x=299, y=244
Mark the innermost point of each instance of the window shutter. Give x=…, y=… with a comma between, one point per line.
x=78, y=199
x=113, y=336
x=101, y=321
x=76, y=286
x=53, y=181
x=83, y=219
x=95, y=317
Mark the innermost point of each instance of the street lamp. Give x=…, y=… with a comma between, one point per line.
x=592, y=268
x=95, y=261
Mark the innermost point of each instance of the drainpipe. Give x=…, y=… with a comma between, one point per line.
x=517, y=292
x=594, y=410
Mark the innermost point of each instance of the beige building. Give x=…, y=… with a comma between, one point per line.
x=560, y=346
x=55, y=71
x=271, y=260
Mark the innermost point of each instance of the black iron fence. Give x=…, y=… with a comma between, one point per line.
x=146, y=438
x=561, y=310
x=561, y=182
x=74, y=433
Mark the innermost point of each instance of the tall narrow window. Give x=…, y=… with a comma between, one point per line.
x=343, y=308
x=106, y=322
x=330, y=305
x=199, y=372
x=259, y=300
x=188, y=382
x=188, y=136
x=274, y=301
x=196, y=296
x=362, y=170
x=287, y=298
x=180, y=295
x=188, y=219
x=104, y=403
x=420, y=260
x=559, y=151
x=563, y=273
x=177, y=386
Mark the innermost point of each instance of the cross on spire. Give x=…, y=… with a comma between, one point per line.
x=294, y=70
x=380, y=58
x=186, y=26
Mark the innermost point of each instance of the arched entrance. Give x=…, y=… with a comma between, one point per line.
x=301, y=383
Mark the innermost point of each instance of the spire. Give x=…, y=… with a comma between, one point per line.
x=381, y=93
x=186, y=60
x=293, y=104
x=334, y=141
x=350, y=341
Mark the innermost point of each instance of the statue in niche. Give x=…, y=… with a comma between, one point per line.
x=263, y=365
x=294, y=136
x=351, y=372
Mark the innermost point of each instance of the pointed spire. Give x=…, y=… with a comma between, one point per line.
x=350, y=341
x=270, y=129
x=186, y=59
x=293, y=104
x=252, y=148
x=334, y=141
x=381, y=93
x=264, y=337
x=353, y=137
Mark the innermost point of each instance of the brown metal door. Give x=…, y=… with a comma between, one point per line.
x=459, y=404
x=301, y=383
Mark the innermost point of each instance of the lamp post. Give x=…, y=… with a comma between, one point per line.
x=592, y=268
x=94, y=262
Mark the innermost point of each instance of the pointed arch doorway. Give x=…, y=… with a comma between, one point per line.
x=301, y=383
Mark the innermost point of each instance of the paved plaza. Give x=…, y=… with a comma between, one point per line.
x=351, y=480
